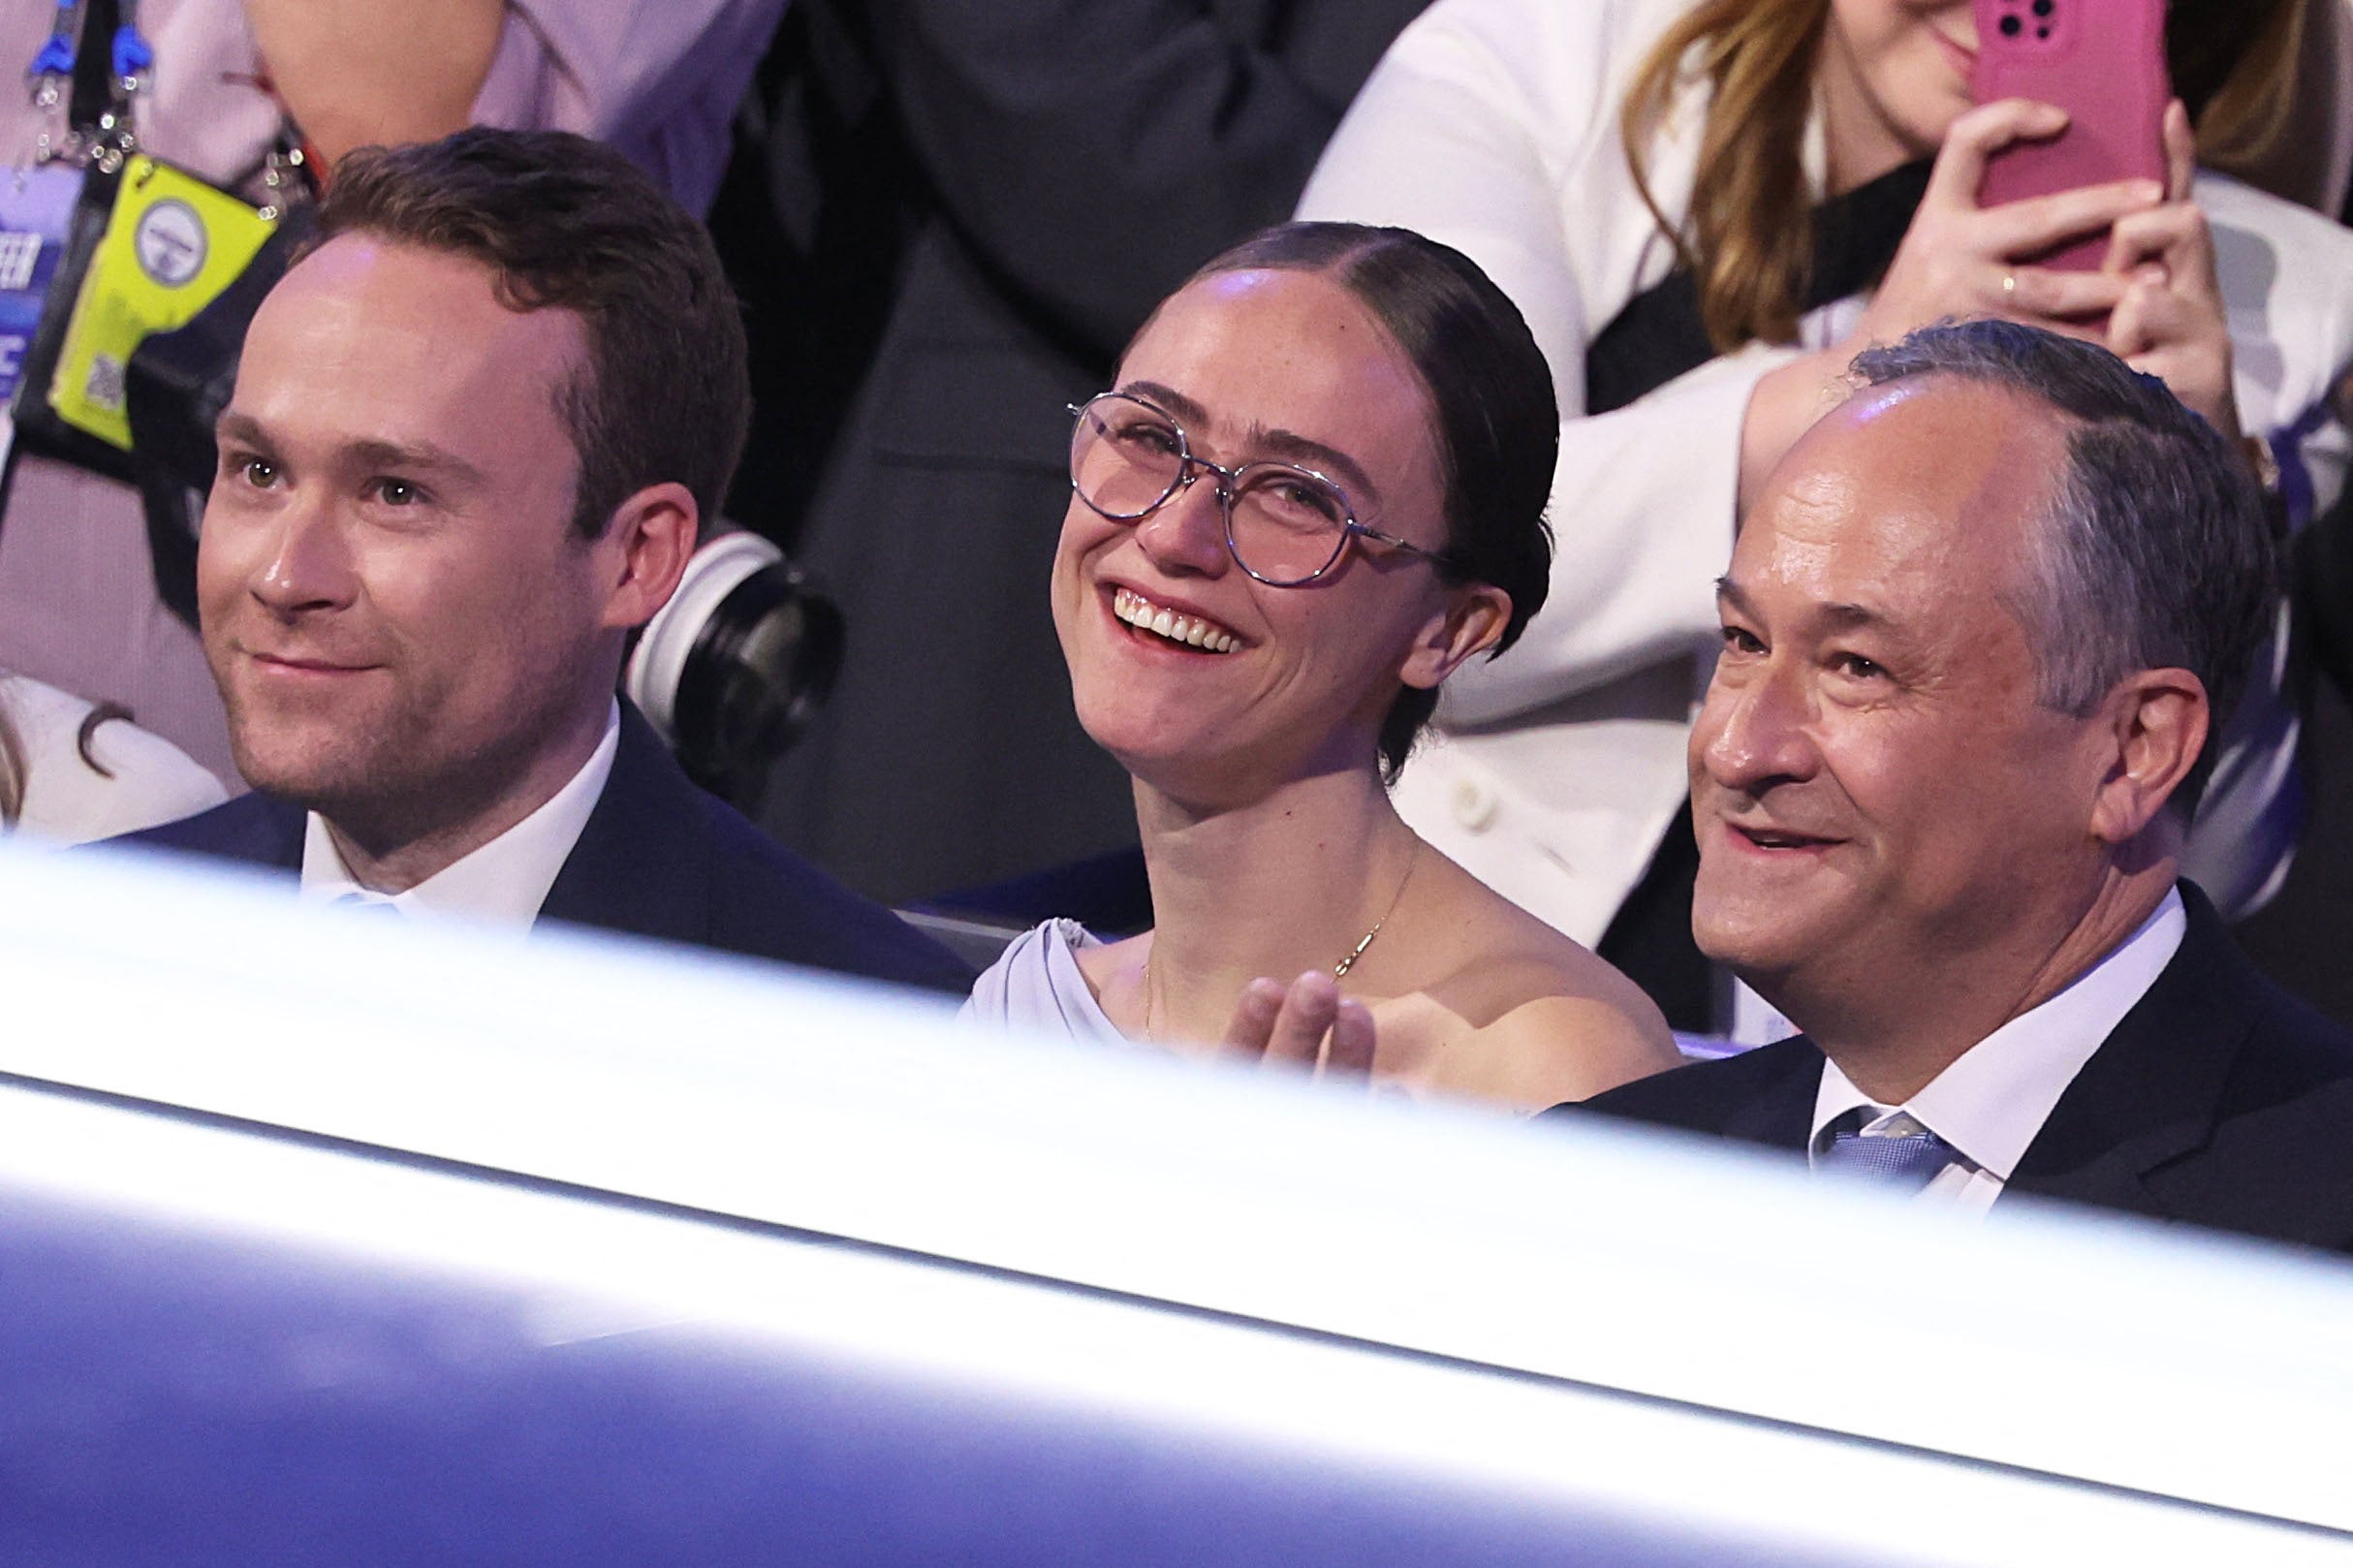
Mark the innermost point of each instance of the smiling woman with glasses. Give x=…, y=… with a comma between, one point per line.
x=1316, y=489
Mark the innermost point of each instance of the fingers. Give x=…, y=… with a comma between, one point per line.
x=2047, y=296
x=1278, y=1023
x=2180, y=152
x=1307, y=1011
x=2178, y=337
x=1961, y=163
x=1352, y=1040
x=2172, y=237
x=2149, y=315
x=2040, y=224
x=1252, y=1027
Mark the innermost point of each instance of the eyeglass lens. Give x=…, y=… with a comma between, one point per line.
x=1283, y=523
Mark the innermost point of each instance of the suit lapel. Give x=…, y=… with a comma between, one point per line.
x=1782, y=1115
x=2152, y=1091
x=643, y=863
x=278, y=829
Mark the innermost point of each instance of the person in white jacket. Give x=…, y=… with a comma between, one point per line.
x=1502, y=127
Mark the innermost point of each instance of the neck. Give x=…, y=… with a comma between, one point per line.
x=1894, y=1041
x=1276, y=886
x=1857, y=148
x=390, y=846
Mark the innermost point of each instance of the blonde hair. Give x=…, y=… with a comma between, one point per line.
x=1748, y=237
x=11, y=772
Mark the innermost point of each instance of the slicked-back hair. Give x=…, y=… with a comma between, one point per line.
x=1494, y=422
x=2153, y=551
x=564, y=223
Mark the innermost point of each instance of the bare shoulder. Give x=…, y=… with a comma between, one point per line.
x=1100, y=963
x=1519, y=1013
x=1551, y=1049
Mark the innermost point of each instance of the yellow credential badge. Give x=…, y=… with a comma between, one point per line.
x=172, y=244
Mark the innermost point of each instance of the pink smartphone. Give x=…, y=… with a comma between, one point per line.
x=2103, y=62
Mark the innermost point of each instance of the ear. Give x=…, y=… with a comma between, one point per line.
x=1473, y=620
x=2156, y=721
x=648, y=543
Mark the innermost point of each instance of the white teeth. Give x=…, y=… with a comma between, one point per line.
x=1190, y=630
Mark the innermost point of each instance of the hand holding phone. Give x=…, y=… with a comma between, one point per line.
x=2101, y=61
x=2171, y=321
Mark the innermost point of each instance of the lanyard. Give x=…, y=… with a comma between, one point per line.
x=94, y=114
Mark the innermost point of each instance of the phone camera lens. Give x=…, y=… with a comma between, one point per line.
x=2041, y=8
x=2011, y=27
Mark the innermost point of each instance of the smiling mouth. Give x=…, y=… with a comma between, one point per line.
x=1195, y=632
x=302, y=665
x=1780, y=840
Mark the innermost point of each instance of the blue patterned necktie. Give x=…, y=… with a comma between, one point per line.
x=1906, y=1160
x=359, y=903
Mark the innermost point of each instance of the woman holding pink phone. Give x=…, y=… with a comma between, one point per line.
x=1704, y=210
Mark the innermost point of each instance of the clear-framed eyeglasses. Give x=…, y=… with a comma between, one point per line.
x=1285, y=525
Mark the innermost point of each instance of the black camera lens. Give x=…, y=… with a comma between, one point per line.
x=2011, y=27
x=736, y=664
x=2041, y=8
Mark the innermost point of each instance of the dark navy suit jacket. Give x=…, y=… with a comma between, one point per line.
x=2220, y=1100
x=658, y=858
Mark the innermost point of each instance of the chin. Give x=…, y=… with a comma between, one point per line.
x=313, y=776
x=1752, y=935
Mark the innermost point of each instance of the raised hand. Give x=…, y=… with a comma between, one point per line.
x=1958, y=258
x=1307, y=1023
x=2169, y=320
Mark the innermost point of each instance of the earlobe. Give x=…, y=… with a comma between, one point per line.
x=652, y=536
x=1472, y=622
x=2158, y=721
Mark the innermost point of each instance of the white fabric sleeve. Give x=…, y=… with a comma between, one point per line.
x=147, y=779
x=1478, y=133
x=660, y=79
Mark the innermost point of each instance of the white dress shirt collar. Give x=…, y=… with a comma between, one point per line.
x=1992, y=1101
x=504, y=881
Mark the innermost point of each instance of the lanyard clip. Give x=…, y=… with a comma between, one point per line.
x=50, y=81
x=133, y=63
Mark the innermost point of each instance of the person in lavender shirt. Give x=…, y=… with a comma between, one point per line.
x=657, y=78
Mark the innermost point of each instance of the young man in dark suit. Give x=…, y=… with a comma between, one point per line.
x=474, y=432
x=1979, y=637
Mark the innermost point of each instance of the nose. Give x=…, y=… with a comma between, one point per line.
x=307, y=565
x=1752, y=731
x=1185, y=535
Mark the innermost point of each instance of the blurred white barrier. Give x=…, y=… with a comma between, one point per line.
x=2083, y=1372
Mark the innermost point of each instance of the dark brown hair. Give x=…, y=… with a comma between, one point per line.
x=564, y=223
x=1492, y=413
x=13, y=771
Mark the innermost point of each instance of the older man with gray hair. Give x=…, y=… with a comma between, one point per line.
x=1978, y=638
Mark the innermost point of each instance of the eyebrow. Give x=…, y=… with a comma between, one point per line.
x=1286, y=445
x=1837, y=617
x=420, y=457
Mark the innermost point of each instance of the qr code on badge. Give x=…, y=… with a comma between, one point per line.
x=105, y=387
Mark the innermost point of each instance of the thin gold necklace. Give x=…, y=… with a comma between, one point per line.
x=1339, y=970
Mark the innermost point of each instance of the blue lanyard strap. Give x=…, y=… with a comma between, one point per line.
x=52, y=69
x=131, y=62
x=134, y=55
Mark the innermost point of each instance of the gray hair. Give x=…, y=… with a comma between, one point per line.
x=2155, y=550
